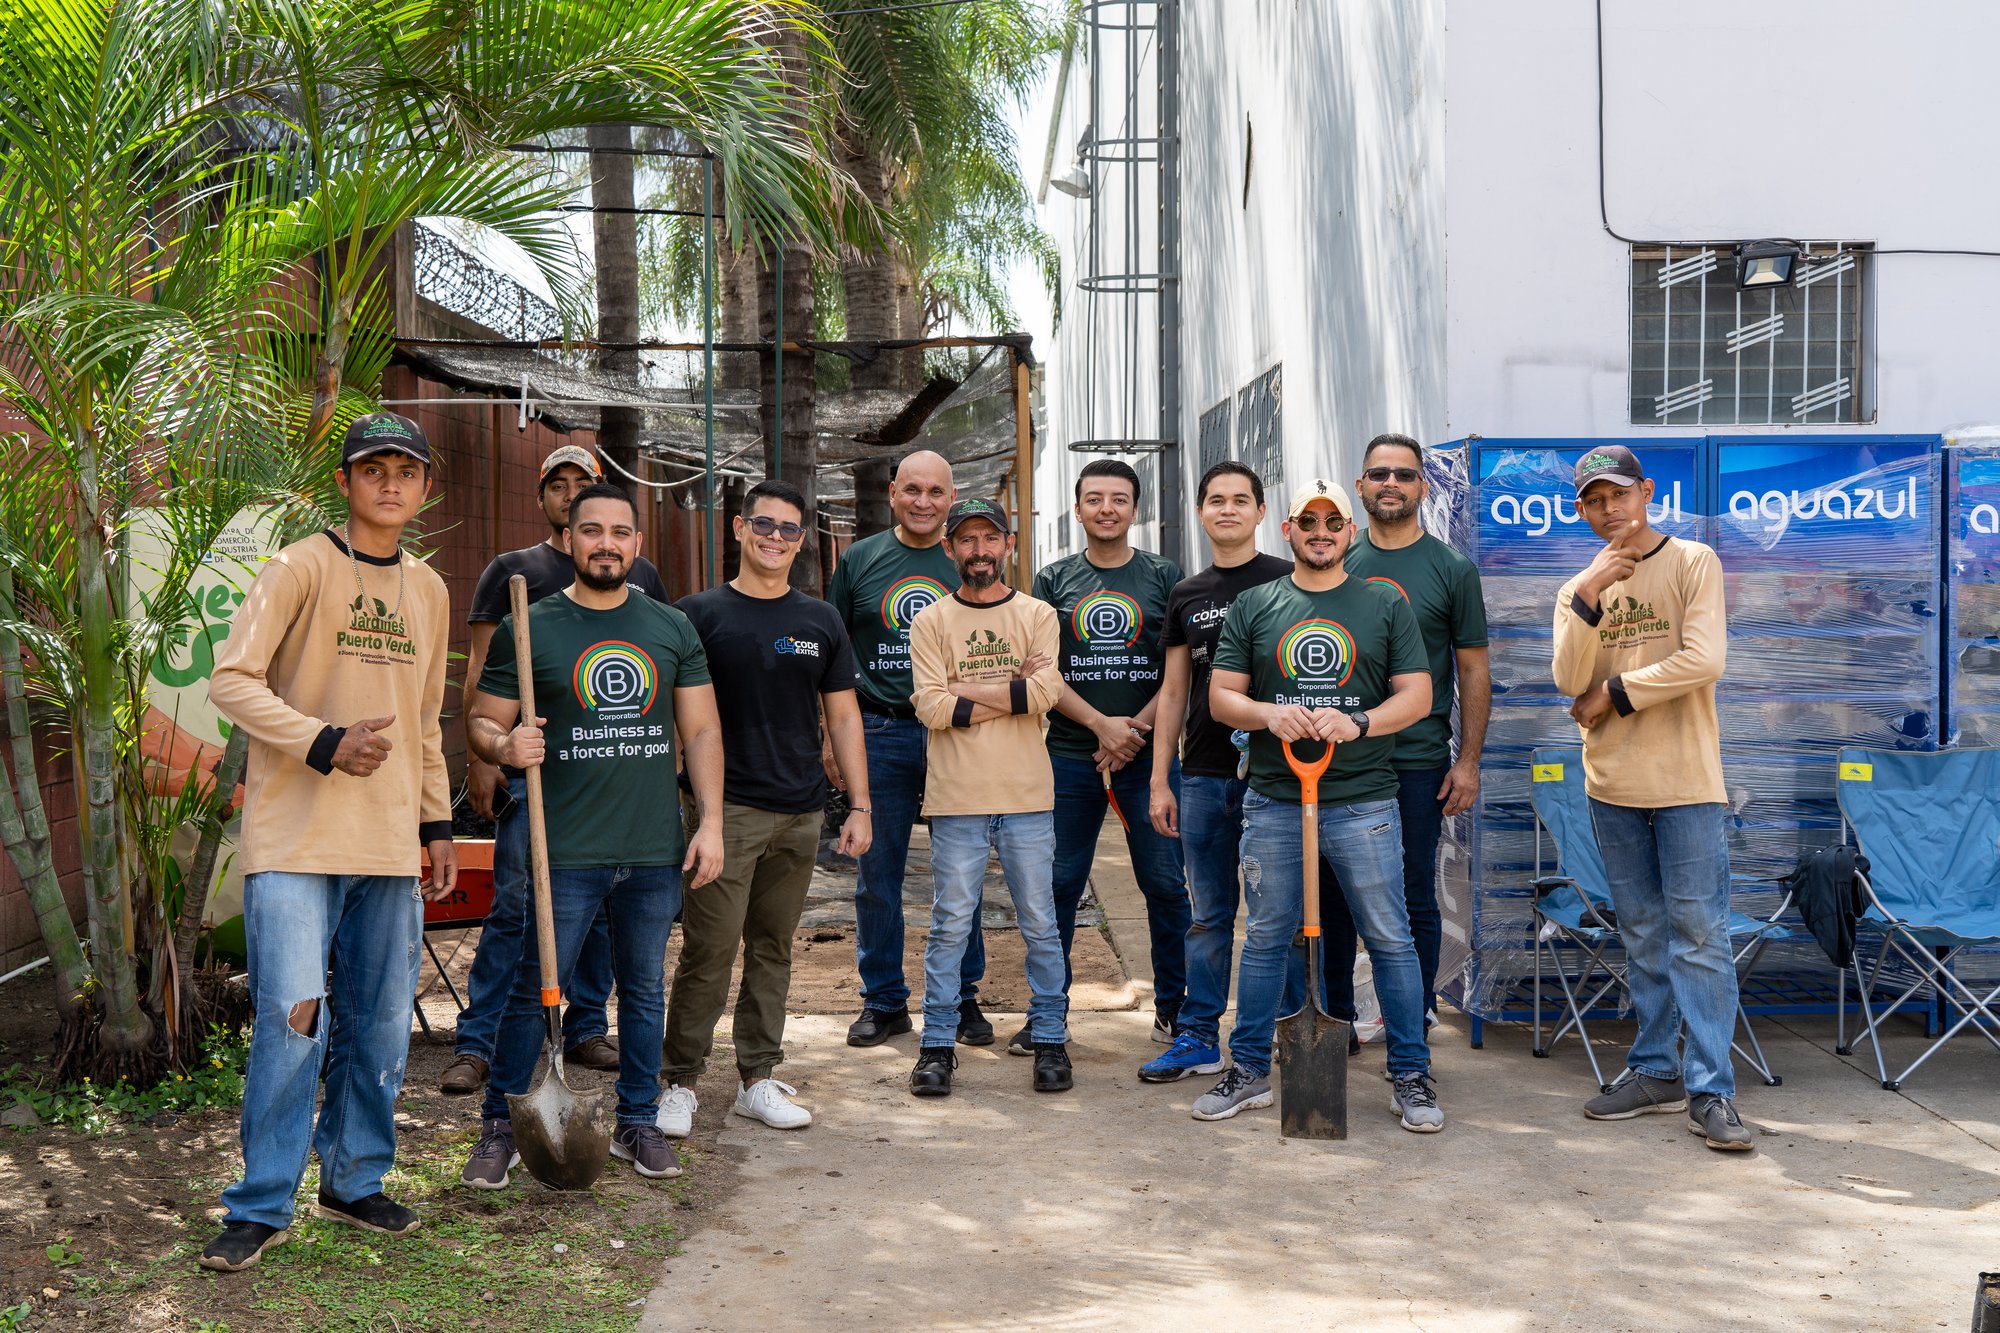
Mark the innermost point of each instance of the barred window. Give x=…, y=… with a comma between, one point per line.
x=1706, y=354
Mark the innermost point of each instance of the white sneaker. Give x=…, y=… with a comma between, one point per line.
x=676, y=1118
x=769, y=1101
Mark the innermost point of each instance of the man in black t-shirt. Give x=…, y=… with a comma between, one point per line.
x=779, y=658
x=1207, y=816
x=548, y=569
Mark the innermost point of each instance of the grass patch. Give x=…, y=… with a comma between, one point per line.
x=525, y=1258
x=216, y=1080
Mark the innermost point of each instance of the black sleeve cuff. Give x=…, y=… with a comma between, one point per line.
x=434, y=830
x=961, y=716
x=1619, y=699
x=1017, y=695
x=320, y=757
x=1589, y=615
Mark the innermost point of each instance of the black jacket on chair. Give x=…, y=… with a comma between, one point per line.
x=1827, y=888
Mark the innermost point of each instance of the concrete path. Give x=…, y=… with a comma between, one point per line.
x=1109, y=1207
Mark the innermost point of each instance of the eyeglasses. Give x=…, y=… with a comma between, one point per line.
x=1378, y=475
x=764, y=525
x=1310, y=522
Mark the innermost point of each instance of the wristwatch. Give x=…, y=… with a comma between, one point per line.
x=1360, y=720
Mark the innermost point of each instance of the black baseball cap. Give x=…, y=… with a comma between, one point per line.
x=384, y=433
x=1608, y=462
x=986, y=509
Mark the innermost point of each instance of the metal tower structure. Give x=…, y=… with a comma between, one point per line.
x=1131, y=152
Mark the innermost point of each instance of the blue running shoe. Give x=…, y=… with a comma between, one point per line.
x=1188, y=1055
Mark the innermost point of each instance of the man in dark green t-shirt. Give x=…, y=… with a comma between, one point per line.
x=615, y=675
x=879, y=586
x=1442, y=588
x=1322, y=657
x=1111, y=609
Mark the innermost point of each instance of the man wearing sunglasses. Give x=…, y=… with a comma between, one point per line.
x=1442, y=588
x=1322, y=657
x=779, y=658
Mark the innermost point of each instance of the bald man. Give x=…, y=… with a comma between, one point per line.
x=880, y=585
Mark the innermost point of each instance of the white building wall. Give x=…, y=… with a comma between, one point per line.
x=1330, y=264
x=1836, y=120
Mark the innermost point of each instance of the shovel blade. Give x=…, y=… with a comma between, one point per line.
x=564, y=1137
x=1311, y=1051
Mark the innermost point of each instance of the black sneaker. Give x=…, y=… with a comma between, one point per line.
x=876, y=1026
x=240, y=1245
x=932, y=1076
x=377, y=1212
x=973, y=1027
x=1022, y=1042
x=1052, y=1072
x=1164, y=1021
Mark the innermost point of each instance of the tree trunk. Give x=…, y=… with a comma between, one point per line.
x=24, y=827
x=616, y=236
x=126, y=1029
x=800, y=462
x=201, y=868
x=873, y=283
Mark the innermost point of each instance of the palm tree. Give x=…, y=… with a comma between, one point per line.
x=198, y=196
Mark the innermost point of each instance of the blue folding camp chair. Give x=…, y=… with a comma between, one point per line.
x=1576, y=927
x=1929, y=824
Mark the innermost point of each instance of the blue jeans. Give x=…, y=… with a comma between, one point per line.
x=1422, y=815
x=1668, y=871
x=642, y=902
x=501, y=937
x=1365, y=846
x=1156, y=863
x=959, y=844
x=368, y=927
x=1211, y=833
x=896, y=765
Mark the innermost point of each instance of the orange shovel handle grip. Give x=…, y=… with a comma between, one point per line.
x=1308, y=772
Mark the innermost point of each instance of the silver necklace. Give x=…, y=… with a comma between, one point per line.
x=402, y=575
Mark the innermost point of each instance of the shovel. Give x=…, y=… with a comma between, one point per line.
x=1311, y=1045
x=563, y=1136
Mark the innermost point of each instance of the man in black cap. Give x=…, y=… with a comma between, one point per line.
x=335, y=669
x=1639, y=643
x=501, y=793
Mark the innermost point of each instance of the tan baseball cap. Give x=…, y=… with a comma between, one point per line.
x=576, y=456
x=1319, y=488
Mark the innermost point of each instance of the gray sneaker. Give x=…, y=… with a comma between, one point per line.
x=1637, y=1094
x=1715, y=1120
x=492, y=1157
x=1416, y=1101
x=647, y=1149
x=1239, y=1090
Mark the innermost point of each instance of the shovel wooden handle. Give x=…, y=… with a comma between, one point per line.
x=538, y=829
x=1308, y=776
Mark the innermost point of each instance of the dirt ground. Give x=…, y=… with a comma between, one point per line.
x=99, y=1234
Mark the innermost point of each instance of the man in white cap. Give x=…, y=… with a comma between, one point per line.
x=500, y=793
x=1323, y=657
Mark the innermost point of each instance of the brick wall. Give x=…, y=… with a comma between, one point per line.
x=20, y=936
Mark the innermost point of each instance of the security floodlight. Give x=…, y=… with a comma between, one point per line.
x=1761, y=264
x=1075, y=182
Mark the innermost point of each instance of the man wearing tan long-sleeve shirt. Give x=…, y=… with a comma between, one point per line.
x=983, y=664
x=335, y=668
x=1639, y=643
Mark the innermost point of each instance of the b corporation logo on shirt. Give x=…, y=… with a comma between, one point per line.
x=615, y=675
x=1317, y=654
x=1107, y=620
x=905, y=598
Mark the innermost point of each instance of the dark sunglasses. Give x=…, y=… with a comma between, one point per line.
x=1309, y=522
x=764, y=525
x=1378, y=475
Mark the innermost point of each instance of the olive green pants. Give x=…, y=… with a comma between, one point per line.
x=767, y=865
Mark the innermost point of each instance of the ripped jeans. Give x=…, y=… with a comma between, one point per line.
x=369, y=927
x=1364, y=844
